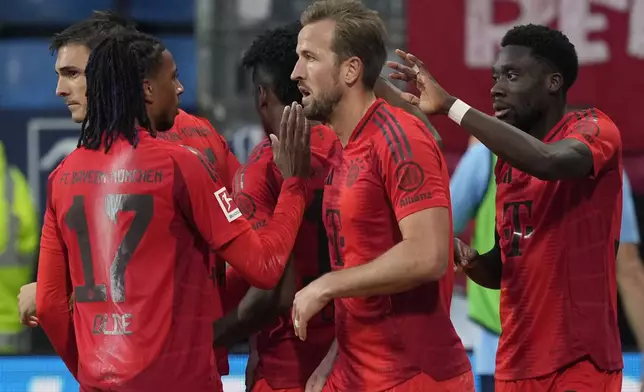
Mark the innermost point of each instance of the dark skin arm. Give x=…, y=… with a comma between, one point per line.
x=485, y=269
x=257, y=309
x=390, y=93
x=565, y=159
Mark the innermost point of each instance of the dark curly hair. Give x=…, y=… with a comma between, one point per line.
x=271, y=58
x=91, y=31
x=115, y=98
x=550, y=45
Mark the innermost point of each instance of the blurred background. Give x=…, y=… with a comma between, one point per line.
x=457, y=39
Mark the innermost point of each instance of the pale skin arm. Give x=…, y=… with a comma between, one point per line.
x=318, y=378
x=420, y=257
x=27, y=305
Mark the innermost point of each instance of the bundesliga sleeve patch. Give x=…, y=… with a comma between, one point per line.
x=227, y=206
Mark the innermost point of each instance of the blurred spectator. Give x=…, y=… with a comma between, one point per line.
x=19, y=234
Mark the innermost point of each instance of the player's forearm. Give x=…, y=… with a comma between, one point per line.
x=256, y=309
x=401, y=268
x=261, y=257
x=486, y=269
x=390, y=93
x=325, y=366
x=630, y=279
x=230, y=329
x=523, y=151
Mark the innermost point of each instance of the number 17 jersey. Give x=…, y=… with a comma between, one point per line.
x=127, y=222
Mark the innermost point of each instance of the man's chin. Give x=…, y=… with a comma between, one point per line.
x=312, y=115
x=78, y=118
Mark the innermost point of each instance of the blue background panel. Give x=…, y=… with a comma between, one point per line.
x=28, y=80
x=27, y=77
x=49, y=11
x=168, y=11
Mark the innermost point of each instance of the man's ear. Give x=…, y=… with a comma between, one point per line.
x=262, y=96
x=555, y=82
x=147, y=91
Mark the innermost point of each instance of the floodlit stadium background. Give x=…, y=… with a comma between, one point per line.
x=207, y=38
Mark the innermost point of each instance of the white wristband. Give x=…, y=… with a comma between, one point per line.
x=458, y=110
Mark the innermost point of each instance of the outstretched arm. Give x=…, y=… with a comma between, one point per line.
x=207, y=205
x=580, y=154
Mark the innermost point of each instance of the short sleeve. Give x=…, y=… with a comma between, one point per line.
x=411, y=167
x=601, y=136
x=204, y=199
x=630, y=232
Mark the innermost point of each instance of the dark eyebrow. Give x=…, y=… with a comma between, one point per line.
x=504, y=68
x=68, y=68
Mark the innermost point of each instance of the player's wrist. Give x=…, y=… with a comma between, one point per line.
x=457, y=110
x=325, y=289
x=449, y=102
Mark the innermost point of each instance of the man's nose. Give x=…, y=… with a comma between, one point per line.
x=297, y=73
x=61, y=88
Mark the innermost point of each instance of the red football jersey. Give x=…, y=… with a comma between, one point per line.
x=198, y=133
x=558, y=243
x=390, y=168
x=284, y=360
x=129, y=228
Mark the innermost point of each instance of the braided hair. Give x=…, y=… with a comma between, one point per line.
x=115, y=96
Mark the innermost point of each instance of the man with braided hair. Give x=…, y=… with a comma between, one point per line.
x=72, y=47
x=125, y=224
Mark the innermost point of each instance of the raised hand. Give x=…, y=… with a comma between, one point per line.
x=292, y=147
x=433, y=99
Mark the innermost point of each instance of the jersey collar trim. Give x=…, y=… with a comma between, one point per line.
x=366, y=119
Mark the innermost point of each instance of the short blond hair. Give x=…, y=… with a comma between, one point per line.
x=359, y=32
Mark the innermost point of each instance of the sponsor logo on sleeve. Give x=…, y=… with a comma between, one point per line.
x=227, y=205
x=409, y=176
x=587, y=129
